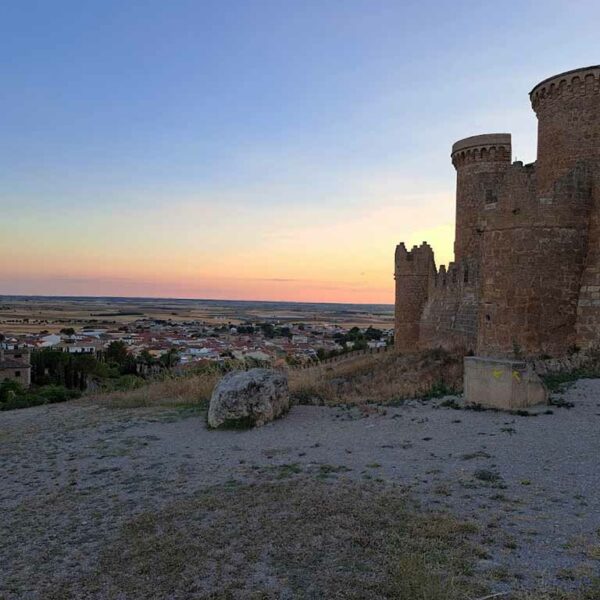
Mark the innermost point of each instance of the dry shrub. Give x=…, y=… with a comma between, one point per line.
x=383, y=378
x=194, y=389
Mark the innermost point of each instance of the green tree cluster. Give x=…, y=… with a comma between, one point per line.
x=13, y=395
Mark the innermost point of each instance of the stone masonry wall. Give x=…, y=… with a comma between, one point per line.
x=481, y=162
x=588, y=308
x=568, y=111
x=449, y=318
x=532, y=260
x=413, y=271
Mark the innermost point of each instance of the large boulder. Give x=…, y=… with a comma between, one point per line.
x=247, y=398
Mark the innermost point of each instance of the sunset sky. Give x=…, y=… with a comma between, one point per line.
x=254, y=149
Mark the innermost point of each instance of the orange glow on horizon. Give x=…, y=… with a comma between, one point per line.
x=313, y=254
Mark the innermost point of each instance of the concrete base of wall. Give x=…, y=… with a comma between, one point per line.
x=502, y=384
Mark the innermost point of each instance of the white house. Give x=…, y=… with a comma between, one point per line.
x=50, y=340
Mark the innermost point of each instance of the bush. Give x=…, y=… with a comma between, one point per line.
x=52, y=394
x=12, y=395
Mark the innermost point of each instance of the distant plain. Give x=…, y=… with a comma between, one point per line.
x=31, y=314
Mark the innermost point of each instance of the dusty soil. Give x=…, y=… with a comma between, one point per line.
x=110, y=503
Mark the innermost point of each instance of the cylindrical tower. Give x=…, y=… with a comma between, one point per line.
x=481, y=162
x=568, y=112
x=538, y=246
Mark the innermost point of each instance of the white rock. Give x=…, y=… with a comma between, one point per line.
x=252, y=397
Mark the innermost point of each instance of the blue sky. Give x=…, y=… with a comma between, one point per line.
x=203, y=148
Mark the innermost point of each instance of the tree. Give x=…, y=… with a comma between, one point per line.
x=117, y=353
x=373, y=334
x=146, y=358
x=9, y=390
x=249, y=329
x=354, y=334
x=268, y=330
x=340, y=338
x=360, y=344
x=170, y=358
x=67, y=331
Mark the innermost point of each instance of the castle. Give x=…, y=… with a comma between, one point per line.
x=526, y=273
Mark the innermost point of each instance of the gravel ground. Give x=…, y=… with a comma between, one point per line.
x=72, y=474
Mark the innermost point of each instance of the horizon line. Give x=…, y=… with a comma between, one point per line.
x=84, y=296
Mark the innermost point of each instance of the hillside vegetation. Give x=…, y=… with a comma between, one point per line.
x=385, y=378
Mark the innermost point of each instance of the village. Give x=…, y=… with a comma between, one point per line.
x=188, y=343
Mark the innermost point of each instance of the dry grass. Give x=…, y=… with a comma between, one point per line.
x=591, y=592
x=194, y=389
x=302, y=538
x=383, y=378
x=298, y=539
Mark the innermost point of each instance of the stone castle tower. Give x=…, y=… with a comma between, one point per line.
x=526, y=274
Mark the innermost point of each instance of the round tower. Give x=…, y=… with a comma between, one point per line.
x=540, y=244
x=481, y=162
x=568, y=111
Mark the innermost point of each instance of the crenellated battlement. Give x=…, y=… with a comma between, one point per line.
x=416, y=261
x=489, y=147
x=455, y=276
x=571, y=84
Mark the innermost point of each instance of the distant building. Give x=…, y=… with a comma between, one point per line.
x=376, y=344
x=78, y=347
x=50, y=340
x=15, y=366
x=10, y=344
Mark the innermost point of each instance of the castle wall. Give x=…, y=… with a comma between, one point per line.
x=588, y=308
x=532, y=260
x=413, y=271
x=449, y=317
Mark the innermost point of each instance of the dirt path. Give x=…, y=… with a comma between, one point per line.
x=71, y=475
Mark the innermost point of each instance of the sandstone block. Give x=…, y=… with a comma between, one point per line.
x=502, y=384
